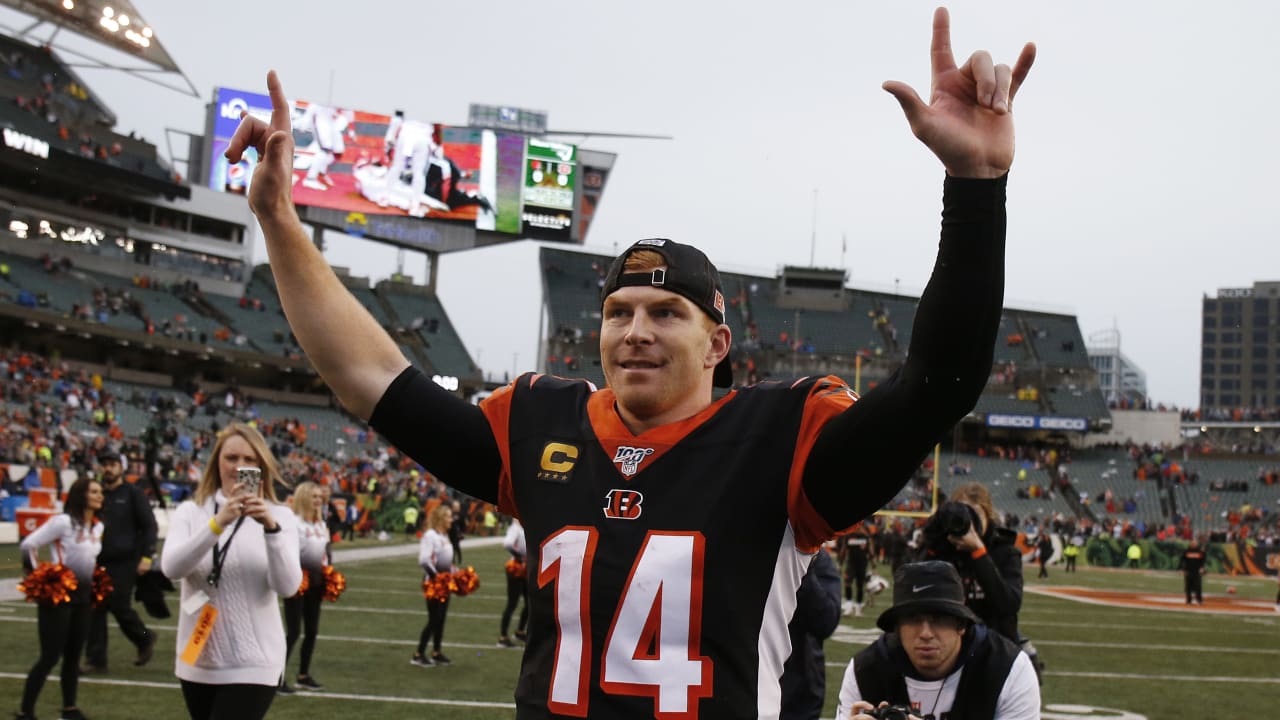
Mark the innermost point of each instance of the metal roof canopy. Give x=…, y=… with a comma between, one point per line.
x=94, y=20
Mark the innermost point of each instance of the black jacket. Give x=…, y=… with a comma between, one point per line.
x=128, y=525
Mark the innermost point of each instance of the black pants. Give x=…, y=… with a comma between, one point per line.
x=62, y=629
x=855, y=576
x=305, y=612
x=227, y=702
x=1192, y=585
x=1043, y=572
x=433, y=632
x=124, y=574
x=517, y=588
x=1071, y=563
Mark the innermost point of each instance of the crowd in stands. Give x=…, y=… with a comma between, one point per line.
x=54, y=417
x=1237, y=414
x=62, y=102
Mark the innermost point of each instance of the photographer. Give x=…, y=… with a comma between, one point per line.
x=965, y=532
x=936, y=659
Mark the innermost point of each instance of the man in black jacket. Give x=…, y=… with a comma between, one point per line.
x=128, y=544
x=936, y=660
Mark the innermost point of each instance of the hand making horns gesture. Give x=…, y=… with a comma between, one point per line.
x=967, y=122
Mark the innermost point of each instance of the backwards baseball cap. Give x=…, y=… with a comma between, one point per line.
x=930, y=587
x=688, y=273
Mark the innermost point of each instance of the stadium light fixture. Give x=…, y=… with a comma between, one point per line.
x=68, y=4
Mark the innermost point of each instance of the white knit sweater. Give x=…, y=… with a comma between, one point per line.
x=247, y=642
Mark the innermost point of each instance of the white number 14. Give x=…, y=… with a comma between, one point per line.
x=652, y=645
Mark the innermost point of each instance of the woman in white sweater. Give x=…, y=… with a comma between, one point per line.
x=435, y=555
x=302, y=611
x=231, y=649
x=74, y=538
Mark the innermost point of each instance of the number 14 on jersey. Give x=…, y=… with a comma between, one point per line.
x=652, y=647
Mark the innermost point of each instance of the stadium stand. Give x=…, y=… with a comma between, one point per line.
x=420, y=312
x=42, y=97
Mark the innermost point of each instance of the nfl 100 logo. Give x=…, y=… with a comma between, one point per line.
x=629, y=458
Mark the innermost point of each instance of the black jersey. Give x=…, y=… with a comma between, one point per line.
x=663, y=567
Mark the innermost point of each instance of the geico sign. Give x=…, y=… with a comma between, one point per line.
x=26, y=143
x=1013, y=421
x=1032, y=422
x=1058, y=423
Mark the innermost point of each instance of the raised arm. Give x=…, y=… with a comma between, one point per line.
x=968, y=122
x=866, y=454
x=353, y=354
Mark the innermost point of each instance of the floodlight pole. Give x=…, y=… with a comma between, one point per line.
x=813, y=236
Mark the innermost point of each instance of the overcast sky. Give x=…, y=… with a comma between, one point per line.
x=1145, y=174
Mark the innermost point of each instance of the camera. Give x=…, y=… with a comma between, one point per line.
x=951, y=518
x=250, y=478
x=890, y=712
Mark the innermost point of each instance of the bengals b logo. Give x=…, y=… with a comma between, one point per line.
x=623, y=504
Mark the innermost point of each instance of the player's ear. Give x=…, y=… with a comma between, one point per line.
x=718, y=348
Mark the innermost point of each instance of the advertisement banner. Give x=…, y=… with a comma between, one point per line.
x=228, y=104
x=1038, y=422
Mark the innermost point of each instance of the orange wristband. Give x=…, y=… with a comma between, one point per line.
x=978, y=553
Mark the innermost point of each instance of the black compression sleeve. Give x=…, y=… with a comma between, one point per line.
x=866, y=454
x=447, y=435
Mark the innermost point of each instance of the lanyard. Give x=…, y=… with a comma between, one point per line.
x=220, y=553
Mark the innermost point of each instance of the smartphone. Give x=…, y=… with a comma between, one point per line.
x=250, y=478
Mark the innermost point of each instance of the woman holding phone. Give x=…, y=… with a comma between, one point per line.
x=235, y=548
x=74, y=539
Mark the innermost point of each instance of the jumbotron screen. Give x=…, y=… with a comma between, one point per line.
x=364, y=162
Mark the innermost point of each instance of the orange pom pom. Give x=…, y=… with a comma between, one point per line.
x=515, y=568
x=102, y=587
x=465, y=581
x=334, y=583
x=438, y=587
x=304, y=585
x=49, y=584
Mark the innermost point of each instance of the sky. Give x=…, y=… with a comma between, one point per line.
x=1144, y=177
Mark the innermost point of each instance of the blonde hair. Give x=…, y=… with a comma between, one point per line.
x=977, y=495
x=643, y=261
x=435, y=521
x=303, y=497
x=211, y=480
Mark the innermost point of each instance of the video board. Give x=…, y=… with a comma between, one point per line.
x=371, y=164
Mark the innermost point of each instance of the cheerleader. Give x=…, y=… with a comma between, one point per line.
x=75, y=538
x=517, y=587
x=304, y=608
x=233, y=571
x=435, y=555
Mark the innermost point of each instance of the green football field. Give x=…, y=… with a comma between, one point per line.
x=1153, y=663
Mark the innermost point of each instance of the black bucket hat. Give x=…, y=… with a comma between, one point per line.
x=930, y=587
x=689, y=273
